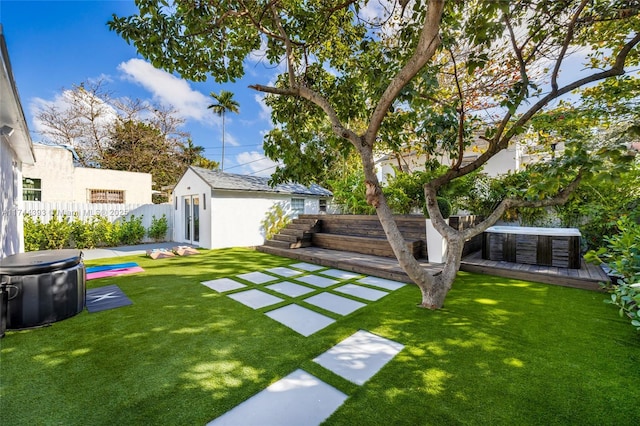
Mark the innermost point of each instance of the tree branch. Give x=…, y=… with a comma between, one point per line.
x=565, y=44
x=287, y=44
x=308, y=94
x=461, y=113
x=615, y=70
x=426, y=48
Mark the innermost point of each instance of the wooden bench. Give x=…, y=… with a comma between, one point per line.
x=377, y=246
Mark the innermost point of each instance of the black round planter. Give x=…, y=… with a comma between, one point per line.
x=42, y=287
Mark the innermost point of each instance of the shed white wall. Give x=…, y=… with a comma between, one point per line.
x=236, y=217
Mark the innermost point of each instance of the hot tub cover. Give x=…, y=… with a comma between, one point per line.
x=37, y=262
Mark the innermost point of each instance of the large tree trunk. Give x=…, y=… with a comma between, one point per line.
x=434, y=289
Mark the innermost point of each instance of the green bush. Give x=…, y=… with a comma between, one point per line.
x=443, y=204
x=349, y=194
x=158, y=229
x=98, y=231
x=34, y=237
x=82, y=233
x=622, y=255
x=130, y=231
x=57, y=232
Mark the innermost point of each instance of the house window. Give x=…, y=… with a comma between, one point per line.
x=106, y=196
x=322, y=206
x=297, y=206
x=31, y=189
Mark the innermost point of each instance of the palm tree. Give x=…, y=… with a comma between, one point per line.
x=225, y=102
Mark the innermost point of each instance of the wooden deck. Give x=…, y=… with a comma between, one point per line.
x=587, y=277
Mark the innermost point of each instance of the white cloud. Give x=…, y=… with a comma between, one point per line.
x=254, y=163
x=376, y=10
x=167, y=89
x=265, y=110
x=229, y=139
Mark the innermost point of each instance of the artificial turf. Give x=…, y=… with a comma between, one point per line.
x=500, y=352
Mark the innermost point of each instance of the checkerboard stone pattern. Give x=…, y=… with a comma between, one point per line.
x=334, y=291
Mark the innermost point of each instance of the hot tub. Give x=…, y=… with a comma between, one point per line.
x=538, y=246
x=43, y=287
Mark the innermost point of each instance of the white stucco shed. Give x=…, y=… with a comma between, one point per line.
x=215, y=209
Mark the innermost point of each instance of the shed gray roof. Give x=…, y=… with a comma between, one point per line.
x=234, y=182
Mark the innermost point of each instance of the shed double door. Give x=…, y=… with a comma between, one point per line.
x=191, y=208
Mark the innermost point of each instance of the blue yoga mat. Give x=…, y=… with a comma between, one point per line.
x=110, y=267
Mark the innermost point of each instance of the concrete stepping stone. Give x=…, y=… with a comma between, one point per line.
x=223, y=284
x=358, y=357
x=290, y=289
x=317, y=281
x=257, y=277
x=299, y=319
x=337, y=273
x=306, y=266
x=255, y=298
x=297, y=399
x=334, y=303
x=284, y=272
x=382, y=283
x=361, y=292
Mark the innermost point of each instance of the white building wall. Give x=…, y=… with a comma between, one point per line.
x=61, y=181
x=312, y=206
x=11, y=234
x=54, y=167
x=503, y=162
x=136, y=186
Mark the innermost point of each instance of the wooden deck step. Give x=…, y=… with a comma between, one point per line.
x=364, y=245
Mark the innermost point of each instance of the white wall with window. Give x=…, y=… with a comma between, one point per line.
x=58, y=180
x=297, y=207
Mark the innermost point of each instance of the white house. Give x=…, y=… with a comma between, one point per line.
x=15, y=151
x=55, y=178
x=215, y=209
x=513, y=159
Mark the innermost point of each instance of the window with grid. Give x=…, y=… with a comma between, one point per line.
x=297, y=206
x=31, y=189
x=106, y=196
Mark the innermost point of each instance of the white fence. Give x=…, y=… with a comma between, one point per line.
x=44, y=212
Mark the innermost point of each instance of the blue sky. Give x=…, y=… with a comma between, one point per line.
x=54, y=45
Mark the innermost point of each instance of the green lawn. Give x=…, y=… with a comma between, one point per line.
x=500, y=352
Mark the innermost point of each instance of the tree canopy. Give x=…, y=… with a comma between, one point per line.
x=434, y=74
